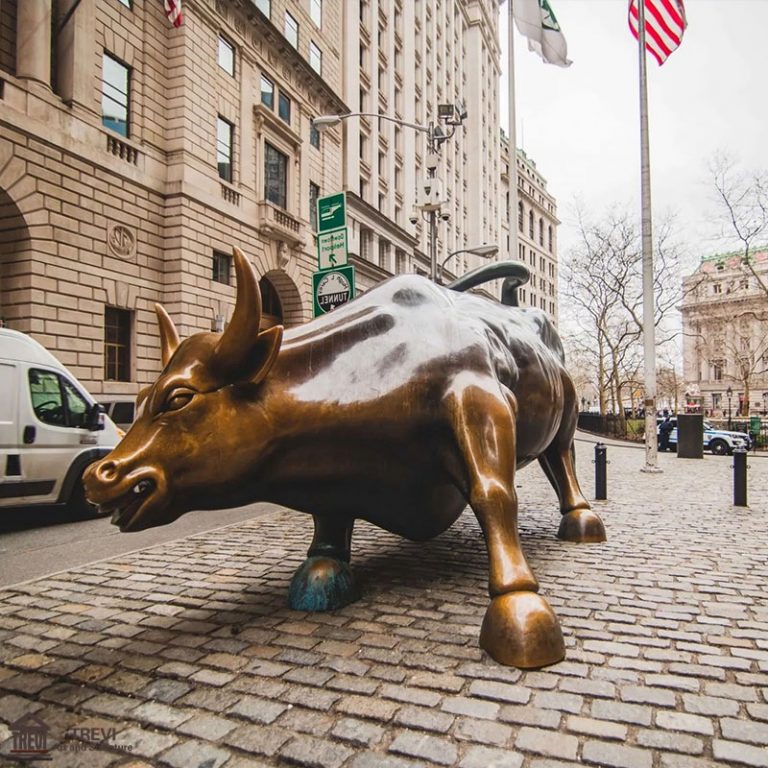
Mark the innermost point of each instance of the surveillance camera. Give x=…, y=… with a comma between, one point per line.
x=414, y=220
x=461, y=110
x=445, y=216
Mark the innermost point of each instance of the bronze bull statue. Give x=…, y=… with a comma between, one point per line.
x=399, y=408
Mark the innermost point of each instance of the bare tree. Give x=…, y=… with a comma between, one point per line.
x=604, y=292
x=742, y=201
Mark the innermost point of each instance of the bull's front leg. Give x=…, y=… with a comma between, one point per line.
x=324, y=581
x=520, y=628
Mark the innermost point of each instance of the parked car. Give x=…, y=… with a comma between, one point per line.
x=718, y=441
x=121, y=409
x=51, y=428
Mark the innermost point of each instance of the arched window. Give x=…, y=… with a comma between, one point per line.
x=520, y=216
x=530, y=225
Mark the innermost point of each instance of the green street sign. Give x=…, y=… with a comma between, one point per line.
x=331, y=212
x=332, y=288
x=332, y=248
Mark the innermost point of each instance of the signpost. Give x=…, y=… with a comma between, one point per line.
x=332, y=248
x=334, y=283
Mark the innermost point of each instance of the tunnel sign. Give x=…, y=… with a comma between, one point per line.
x=332, y=288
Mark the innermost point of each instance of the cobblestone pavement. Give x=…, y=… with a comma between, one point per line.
x=185, y=655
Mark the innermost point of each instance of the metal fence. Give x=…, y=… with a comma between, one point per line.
x=611, y=426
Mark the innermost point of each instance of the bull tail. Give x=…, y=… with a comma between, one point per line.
x=515, y=274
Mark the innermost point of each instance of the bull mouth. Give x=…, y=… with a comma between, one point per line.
x=127, y=508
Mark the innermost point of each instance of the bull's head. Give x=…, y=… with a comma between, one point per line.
x=199, y=423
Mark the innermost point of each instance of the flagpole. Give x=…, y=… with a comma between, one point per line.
x=649, y=340
x=512, y=136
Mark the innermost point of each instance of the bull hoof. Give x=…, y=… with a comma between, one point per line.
x=520, y=629
x=322, y=584
x=582, y=526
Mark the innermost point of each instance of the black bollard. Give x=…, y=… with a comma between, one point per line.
x=740, y=477
x=601, y=462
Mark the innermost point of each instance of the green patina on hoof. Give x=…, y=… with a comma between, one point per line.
x=322, y=584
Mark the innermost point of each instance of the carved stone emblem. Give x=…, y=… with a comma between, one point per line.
x=121, y=241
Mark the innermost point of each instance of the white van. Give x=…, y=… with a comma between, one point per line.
x=51, y=429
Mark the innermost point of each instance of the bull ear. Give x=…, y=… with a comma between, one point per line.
x=237, y=346
x=265, y=352
x=169, y=336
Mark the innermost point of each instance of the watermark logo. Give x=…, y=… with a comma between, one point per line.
x=30, y=738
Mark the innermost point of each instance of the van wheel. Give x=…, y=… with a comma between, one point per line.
x=718, y=447
x=80, y=507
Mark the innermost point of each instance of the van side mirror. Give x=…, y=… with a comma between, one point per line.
x=95, y=421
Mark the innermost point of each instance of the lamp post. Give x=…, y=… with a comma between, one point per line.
x=729, y=395
x=484, y=251
x=452, y=115
x=765, y=403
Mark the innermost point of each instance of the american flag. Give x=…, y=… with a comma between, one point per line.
x=664, y=26
x=173, y=12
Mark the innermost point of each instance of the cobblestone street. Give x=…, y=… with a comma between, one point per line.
x=185, y=655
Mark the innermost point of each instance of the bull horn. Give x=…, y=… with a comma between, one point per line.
x=169, y=336
x=235, y=345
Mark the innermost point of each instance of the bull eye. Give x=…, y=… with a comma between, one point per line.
x=177, y=399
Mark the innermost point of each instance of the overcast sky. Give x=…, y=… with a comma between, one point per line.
x=581, y=124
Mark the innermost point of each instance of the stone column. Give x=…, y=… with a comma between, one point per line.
x=33, y=40
x=74, y=59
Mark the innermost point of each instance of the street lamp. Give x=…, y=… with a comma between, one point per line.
x=765, y=403
x=729, y=395
x=449, y=114
x=484, y=251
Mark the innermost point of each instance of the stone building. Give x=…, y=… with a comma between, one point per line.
x=725, y=335
x=536, y=231
x=135, y=155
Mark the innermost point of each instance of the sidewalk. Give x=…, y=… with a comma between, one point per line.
x=185, y=655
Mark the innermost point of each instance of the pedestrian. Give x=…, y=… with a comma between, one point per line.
x=665, y=428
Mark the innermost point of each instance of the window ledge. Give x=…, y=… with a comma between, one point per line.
x=276, y=125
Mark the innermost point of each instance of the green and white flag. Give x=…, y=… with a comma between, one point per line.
x=535, y=20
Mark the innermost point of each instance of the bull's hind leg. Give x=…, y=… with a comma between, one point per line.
x=324, y=581
x=579, y=522
x=519, y=629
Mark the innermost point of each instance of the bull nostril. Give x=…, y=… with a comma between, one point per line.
x=106, y=471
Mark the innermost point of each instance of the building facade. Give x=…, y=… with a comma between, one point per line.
x=725, y=336
x=135, y=155
x=537, y=224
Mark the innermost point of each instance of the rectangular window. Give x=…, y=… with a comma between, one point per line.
x=227, y=56
x=314, y=194
x=291, y=30
x=264, y=6
x=115, y=94
x=316, y=11
x=284, y=107
x=267, y=92
x=224, y=140
x=222, y=267
x=315, y=58
x=314, y=135
x=275, y=176
x=117, y=344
